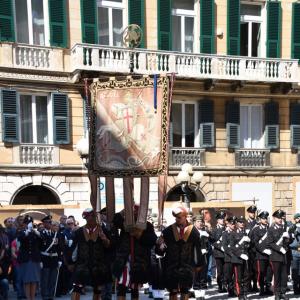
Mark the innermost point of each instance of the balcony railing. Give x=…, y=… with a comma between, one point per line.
x=252, y=158
x=179, y=156
x=117, y=60
x=37, y=155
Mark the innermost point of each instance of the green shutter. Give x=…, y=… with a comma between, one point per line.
x=10, y=121
x=296, y=31
x=137, y=16
x=207, y=26
x=273, y=29
x=58, y=23
x=89, y=21
x=206, y=123
x=7, y=32
x=164, y=19
x=233, y=124
x=271, y=125
x=295, y=125
x=61, y=118
x=233, y=27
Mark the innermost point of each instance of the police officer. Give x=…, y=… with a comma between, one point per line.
x=258, y=237
x=239, y=243
x=50, y=259
x=277, y=241
x=251, y=222
x=216, y=241
x=226, y=248
x=295, y=247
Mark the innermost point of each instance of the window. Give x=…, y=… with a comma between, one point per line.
x=35, y=119
x=31, y=26
x=251, y=122
x=185, y=131
x=183, y=16
x=111, y=22
x=251, y=28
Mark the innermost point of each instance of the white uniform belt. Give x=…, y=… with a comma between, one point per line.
x=49, y=254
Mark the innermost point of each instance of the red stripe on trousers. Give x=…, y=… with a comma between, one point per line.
x=258, y=273
x=236, y=281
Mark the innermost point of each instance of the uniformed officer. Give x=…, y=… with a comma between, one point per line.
x=50, y=257
x=226, y=248
x=240, y=243
x=295, y=247
x=251, y=222
x=216, y=241
x=200, y=277
x=258, y=237
x=278, y=241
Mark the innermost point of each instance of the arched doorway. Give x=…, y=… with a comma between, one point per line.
x=35, y=195
x=176, y=194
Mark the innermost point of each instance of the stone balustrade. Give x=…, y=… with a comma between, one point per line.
x=113, y=59
x=252, y=158
x=179, y=156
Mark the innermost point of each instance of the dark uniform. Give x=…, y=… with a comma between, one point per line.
x=278, y=241
x=239, y=243
x=216, y=241
x=252, y=266
x=258, y=238
x=228, y=268
x=50, y=257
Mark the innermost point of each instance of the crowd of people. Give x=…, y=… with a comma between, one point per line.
x=58, y=258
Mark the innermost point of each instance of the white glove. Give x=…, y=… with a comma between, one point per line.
x=204, y=233
x=222, y=248
x=247, y=231
x=70, y=243
x=59, y=264
x=41, y=265
x=246, y=239
x=203, y=251
x=267, y=251
x=244, y=257
x=30, y=226
x=286, y=235
x=282, y=250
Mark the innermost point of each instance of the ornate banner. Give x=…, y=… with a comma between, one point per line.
x=129, y=126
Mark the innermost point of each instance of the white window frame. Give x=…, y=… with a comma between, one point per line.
x=262, y=19
x=33, y=109
x=249, y=120
x=30, y=25
x=196, y=123
x=183, y=13
x=113, y=5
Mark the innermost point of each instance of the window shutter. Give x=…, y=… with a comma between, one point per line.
x=207, y=26
x=61, y=118
x=206, y=121
x=271, y=125
x=273, y=29
x=295, y=125
x=137, y=16
x=164, y=24
x=296, y=31
x=10, y=121
x=233, y=27
x=89, y=21
x=7, y=32
x=58, y=23
x=233, y=124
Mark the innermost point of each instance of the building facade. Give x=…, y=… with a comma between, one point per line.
x=235, y=111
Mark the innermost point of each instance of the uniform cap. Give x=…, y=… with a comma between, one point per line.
x=28, y=219
x=297, y=215
x=220, y=214
x=263, y=215
x=47, y=218
x=279, y=214
x=252, y=209
x=231, y=220
x=241, y=219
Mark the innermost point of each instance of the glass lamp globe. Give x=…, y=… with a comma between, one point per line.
x=197, y=177
x=187, y=168
x=82, y=147
x=183, y=176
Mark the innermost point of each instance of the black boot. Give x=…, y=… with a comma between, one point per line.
x=262, y=292
x=277, y=297
x=283, y=297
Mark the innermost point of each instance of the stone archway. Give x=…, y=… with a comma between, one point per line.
x=176, y=194
x=35, y=195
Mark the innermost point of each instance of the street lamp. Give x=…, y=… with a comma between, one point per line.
x=187, y=176
x=82, y=148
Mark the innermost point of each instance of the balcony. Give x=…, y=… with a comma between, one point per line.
x=252, y=158
x=36, y=155
x=179, y=156
x=116, y=60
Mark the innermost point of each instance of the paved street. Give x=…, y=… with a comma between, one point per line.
x=211, y=295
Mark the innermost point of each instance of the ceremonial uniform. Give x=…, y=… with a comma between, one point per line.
x=277, y=241
x=239, y=243
x=218, y=254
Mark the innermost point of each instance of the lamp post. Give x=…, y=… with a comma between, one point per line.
x=185, y=177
